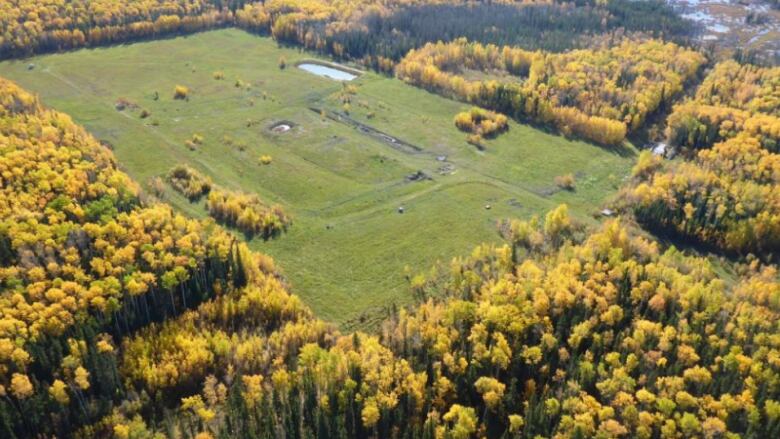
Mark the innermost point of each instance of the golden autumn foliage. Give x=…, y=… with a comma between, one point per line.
x=743, y=86
x=33, y=25
x=608, y=352
x=726, y=195
x=247, y=213
x=120, y=319
x=596, y=335
x=189, y=182
x=697, y=126
x=181, y=92
x=481, y=122
x=598, y=94
x=733, y=98
x=561, y=333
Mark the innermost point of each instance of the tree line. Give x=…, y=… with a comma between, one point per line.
x=598, y=94
x=549, y=26
x=360, y=29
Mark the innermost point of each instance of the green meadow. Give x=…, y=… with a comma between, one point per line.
x=349, y=248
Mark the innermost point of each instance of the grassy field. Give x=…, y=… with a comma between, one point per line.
x=346, y=252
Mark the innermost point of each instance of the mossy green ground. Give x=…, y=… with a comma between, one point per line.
x=347, y=250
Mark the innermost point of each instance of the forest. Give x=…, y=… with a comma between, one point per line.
x=548, y=26
x=726, y=194
x=121, y=317
x=597, y=94
x=378, y=33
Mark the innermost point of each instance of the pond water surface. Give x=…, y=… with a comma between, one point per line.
x=328, y=72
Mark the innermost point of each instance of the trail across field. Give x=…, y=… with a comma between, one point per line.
x=343, y=180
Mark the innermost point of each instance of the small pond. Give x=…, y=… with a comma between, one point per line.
x=328, y=72
x=281, y=127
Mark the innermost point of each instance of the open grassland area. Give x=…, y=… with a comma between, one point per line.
x=348, y=247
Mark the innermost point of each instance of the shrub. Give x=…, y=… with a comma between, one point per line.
x=189, y=182
x=219, y=76
x=646, y=165
x=181, y=92
x=565, y=182
x=248, y=213
x=193, y=142
x=266, y=159
x=157, y=187
x=482, y=122
x=463, y=122
x=476, y=140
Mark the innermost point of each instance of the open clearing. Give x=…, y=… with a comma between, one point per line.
x=346, y=251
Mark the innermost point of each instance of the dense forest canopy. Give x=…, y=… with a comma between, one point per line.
x=562, y=332
x=375, y=32
x=120, y=317
x=727, y=194
x=598, y=94
x=546, y=26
